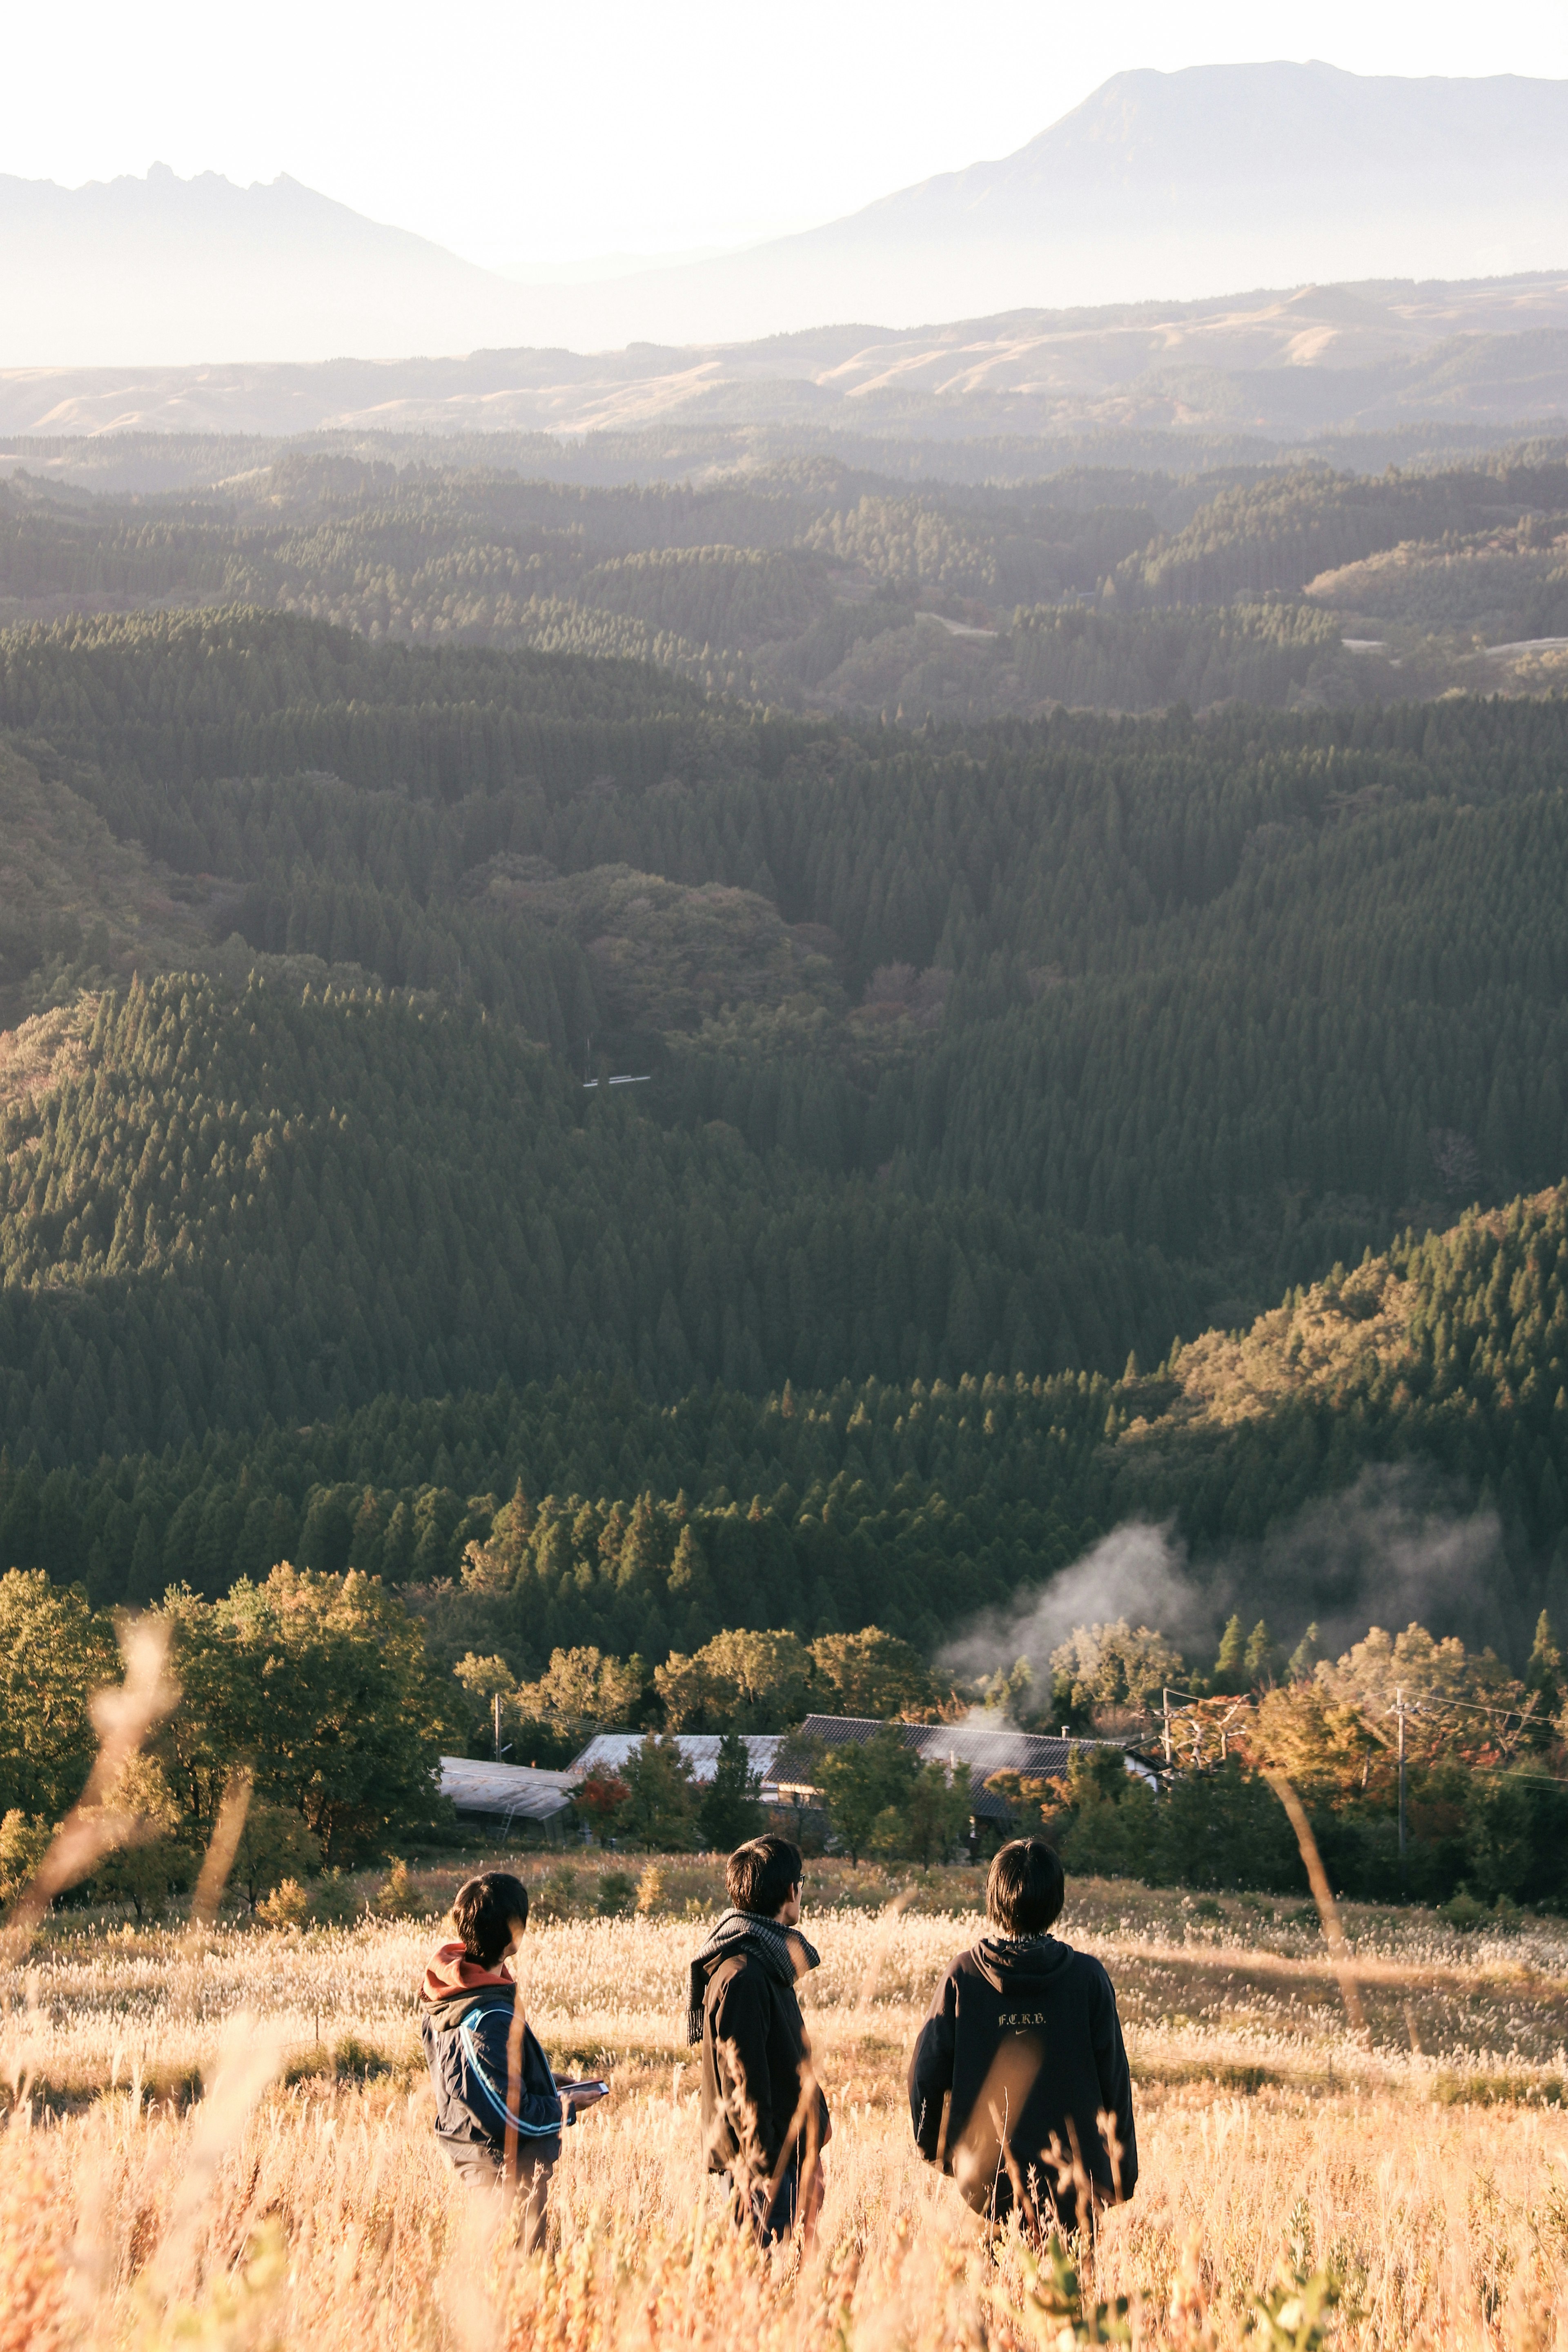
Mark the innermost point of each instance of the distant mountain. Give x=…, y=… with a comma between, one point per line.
x=1160, y=187
x=1178, y=184
x=159, y=270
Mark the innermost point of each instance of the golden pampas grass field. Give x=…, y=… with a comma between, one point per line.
x=225, y=2139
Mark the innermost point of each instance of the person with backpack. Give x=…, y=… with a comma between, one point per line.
x=1019, y=2086
x=499, y=2111
x=765, y=2119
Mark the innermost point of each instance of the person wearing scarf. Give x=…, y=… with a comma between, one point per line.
x=1019, y=2087
x=499, y=2109
x=765, y=2119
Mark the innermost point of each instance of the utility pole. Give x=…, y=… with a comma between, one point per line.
x=1165, y=1703
x=495, y=1709
x=1399, y=1713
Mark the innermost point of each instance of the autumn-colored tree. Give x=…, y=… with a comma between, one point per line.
x=602, y=1799
x=1324, y=1746
x=319, y=1683
x=581, y=1692
x=1028, y=1798
x=872, y=1673
x=55, y=1651
x=741, y=1681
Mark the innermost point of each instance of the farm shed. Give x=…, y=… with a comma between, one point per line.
x=510, y=1792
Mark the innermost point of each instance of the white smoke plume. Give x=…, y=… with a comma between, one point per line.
x=1137, y=1572
x=1390, y=1548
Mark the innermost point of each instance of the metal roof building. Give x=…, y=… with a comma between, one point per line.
x=610, y=1750
x=511, y=1792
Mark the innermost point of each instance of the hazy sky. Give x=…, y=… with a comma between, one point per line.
x=520, y=134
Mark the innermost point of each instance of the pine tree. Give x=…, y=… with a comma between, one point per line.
x=729, y=1811
x=1230, y=1666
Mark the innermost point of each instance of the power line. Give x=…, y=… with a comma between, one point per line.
x=1461, y=1763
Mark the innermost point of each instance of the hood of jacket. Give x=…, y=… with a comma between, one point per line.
x=1008, y=1961
x=450, y=1975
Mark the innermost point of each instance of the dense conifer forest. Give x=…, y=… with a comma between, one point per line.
x=540, y=1066
x=860, y=583
x=1438, y=1372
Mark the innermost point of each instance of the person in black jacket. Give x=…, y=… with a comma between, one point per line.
x=765, y=2119
x=499, y=2109
x=1019, y=2087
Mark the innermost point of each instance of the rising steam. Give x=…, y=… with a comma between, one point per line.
x=1390, y=1548
x=1137, y=1572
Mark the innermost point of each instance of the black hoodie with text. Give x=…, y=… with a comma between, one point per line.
x=1022, y=2049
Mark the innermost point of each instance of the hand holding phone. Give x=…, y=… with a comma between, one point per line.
x=579, y=2092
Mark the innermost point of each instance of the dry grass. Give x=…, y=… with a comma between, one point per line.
x=230, y=2144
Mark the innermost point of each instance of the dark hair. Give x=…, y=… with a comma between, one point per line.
x=484, y=1911
x=761, y=1875
x=1024, y=1891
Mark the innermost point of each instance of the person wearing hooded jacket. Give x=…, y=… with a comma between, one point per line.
x=499, y=2110
x=765, y=2119
x=1021, y=2056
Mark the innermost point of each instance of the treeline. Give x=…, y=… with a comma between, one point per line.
x=317, y=1687
x=1279, y=533
x=1145, y=661
x=167, y=698
x=1430, y=1773
x=814, y=1509
x=704, y=581
x=1507, y=583
x=430, y=552
x=1463, y=1372
x=461, y=550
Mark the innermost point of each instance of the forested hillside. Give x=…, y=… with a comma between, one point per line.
x=252, y=1207
x=809, y=582
x=1250, y=994
x=524, y=1074
x=1240, y=997
x=579, y=1512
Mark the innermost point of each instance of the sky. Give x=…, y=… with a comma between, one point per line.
x=533, y=138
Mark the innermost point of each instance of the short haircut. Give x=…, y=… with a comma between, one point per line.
x=761, y=1875
x=484, y=1912
x=1024, y=1891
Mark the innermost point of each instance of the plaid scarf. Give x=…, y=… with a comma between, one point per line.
x=1015, y=1947
x=783, y=1951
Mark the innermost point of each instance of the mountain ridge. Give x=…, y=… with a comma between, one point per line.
x=1159, y=185
x=1284, y=361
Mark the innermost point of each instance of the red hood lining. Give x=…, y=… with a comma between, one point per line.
x=451, y=1971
